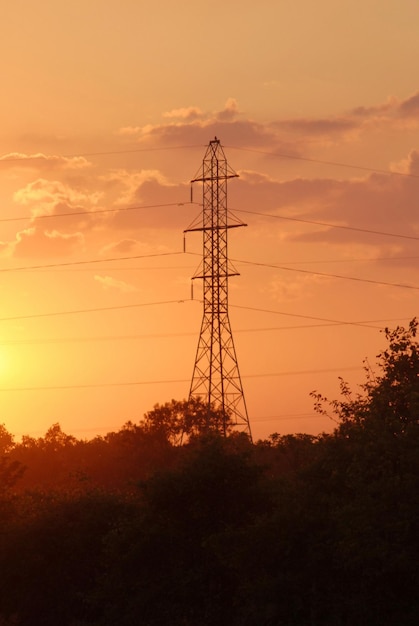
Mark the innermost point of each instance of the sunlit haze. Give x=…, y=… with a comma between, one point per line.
x=107, y=110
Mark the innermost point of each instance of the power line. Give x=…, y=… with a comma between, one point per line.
x=149, y=336
x=352, y=260
x=92, y=385
x=363, y=324
x=304, y=221
x=327, y=275
x=113, y=269
x=37, y=157
x=182, y=301
x=94, y=212
x=305, y=372
x=40, y=341
x=278, y=155
x=308, y=317
x=87, y=262
x=47, y=266
x=324, y=274
x=295, y=157
x=175, y=381
x=99, y=338
x=93, y=310
x=171, y=204
x=52, y=266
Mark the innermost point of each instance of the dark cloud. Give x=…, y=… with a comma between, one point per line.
x=413, y=163
x=237, y=132
x=291, y=135
x=378, y=204
x=67, y=218
x=376, y=110
x=410, y=106
x=392, y=109
x=385, y=114
x=165, y=206
x=320, y=127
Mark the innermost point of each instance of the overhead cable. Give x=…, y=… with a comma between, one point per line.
x=175, y=381
x=328, y=275
x=328, y=224
x=297, y=157
x=93, y=310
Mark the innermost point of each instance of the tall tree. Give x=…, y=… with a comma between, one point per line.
x=368, y=473
x=389, y=402
x=181, y=420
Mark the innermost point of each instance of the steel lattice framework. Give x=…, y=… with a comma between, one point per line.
x=216, y=377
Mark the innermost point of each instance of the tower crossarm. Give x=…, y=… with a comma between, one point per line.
x=216, y=379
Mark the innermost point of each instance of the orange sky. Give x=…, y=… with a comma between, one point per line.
x=110, y=106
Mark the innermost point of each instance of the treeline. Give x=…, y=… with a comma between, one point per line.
x=166, y=522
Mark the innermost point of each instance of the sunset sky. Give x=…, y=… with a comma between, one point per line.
x=107, y=109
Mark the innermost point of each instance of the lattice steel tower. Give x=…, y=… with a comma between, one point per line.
x=216, y=378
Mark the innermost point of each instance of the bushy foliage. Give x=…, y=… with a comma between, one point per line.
x=389, y=401
x=141, y=527
x=178, y=421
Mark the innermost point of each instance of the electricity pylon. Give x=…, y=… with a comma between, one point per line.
x=216, y=377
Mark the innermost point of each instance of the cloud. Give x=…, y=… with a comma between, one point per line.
x=56, y=205
x=291, y=288
x=194, y=127
x=185, y=113
x=107, y=282
x=237, y=132
x=33, y=242
x=409, y=166
x=370, y=206
x=144, y=199
x=126, y=247
x=5, y=249
x=377, y=202
x=119, y=248
x=41, y=161
x=59, y=214
x=147, y=200
x=42, y=193
x=381, y=109
x=127, y=185
x=391, y=112
x=295, y=135
x=230, y=111
x=151, y=202
x=320, y=127
x=410, y=106
x=293, y=196
x=364, y=207
x=129, y=130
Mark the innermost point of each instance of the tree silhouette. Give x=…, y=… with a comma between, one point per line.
x=389, y=402
x=181, y=420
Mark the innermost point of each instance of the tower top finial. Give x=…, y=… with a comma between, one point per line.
x=216, y=379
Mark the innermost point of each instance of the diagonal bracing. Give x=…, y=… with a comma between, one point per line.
x=216, y=377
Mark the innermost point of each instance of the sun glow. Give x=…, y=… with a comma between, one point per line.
x=5, y=364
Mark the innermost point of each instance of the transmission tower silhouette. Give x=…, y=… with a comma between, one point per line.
x=216, y=377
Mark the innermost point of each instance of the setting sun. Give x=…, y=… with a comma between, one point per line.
x=9, y=364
